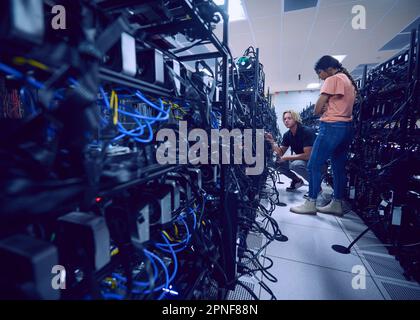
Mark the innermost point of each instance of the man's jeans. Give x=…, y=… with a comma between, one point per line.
x=333, y=143
x=288, y=168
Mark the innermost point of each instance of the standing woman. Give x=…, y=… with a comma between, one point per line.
x=335, y=105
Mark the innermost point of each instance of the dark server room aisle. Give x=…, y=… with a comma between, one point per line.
x=307, y=268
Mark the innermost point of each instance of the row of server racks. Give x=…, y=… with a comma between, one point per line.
x=87, y=212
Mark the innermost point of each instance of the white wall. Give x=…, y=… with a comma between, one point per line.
x=295, y=100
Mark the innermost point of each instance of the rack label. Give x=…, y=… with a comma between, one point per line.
x=396, y=216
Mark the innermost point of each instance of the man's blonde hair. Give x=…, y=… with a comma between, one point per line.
x=294, y=114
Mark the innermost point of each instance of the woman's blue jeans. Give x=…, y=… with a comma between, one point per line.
x=333, y=143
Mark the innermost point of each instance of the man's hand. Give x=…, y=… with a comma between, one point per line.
x=269, y=137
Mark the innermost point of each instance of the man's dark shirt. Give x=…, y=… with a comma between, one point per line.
x=304, y=137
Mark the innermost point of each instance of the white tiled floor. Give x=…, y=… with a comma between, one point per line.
x=301, y=281
x=313, y=246
x=308, y=268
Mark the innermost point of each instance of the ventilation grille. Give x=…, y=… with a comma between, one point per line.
x=250, y=265
x=212, y=292
x=254, y=241
x=366, y=246
x=401, y=292
x=385, y=267
x=241, y=293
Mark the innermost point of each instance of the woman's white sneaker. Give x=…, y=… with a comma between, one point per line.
x=334, y=207
x=309, y=207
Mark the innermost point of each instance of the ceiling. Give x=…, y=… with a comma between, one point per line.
x=290, y=42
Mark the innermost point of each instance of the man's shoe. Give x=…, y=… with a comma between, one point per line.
x=309, y=207
x=335, y=207
x=294, y=185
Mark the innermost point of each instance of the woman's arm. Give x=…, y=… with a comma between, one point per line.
x=320, y=104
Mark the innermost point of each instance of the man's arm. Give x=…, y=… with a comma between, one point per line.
x=306, y=155
x=279, y=150
x=322, y=101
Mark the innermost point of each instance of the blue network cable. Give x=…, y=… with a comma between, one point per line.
x=194, y=216
x=136, y=115
x=173, y=246
x=187, y=229
x=123, y=279
x=103, y=94
x=122, y=129
x=184, y=242
x=73, y=81
x=155, y=271
x=112, y=296
x=119, y=277
x=168, y=279
x=27, y=99
x=17, y=74
x=214, y=121
x=155, y=268
x=174, y=259
x=163, y=246
x=134, y=134
x=175, y=262
x=140, y=95
x=11, y=71
x=33, y=82
x=165, y=269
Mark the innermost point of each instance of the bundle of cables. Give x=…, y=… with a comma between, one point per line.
x=144, y=123
x=21, y=76
x=179, y=245
x=148, y=289
x=142, y=288
x=249, y=262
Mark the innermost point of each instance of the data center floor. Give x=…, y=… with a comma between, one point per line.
x=307, y=268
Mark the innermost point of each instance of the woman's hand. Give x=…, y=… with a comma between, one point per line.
x=280, y=159
x=320, y=106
